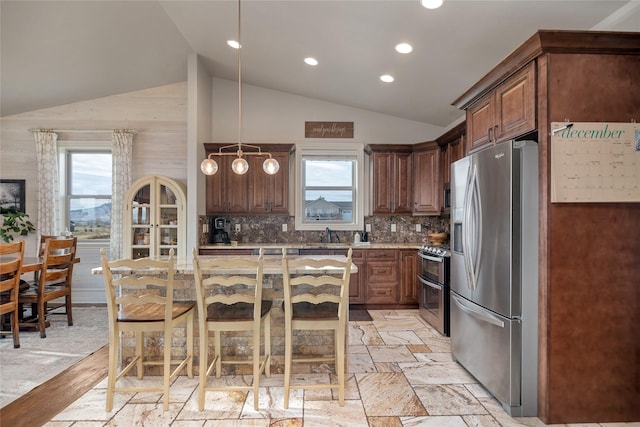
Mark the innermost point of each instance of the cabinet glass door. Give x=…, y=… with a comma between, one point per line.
x=167, y=226
x=141, y=223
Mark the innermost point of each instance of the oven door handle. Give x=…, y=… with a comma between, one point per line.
x=429, y=284
x=430, y=258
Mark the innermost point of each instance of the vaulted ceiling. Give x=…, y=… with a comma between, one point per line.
x=57, y=52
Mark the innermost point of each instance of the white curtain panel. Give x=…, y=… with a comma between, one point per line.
x=121, y=151
x=48, y=190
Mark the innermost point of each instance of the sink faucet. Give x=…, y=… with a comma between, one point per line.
x=328, y=235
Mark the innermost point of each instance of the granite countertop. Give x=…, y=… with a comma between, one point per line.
x=368, y=245
x=272, y=265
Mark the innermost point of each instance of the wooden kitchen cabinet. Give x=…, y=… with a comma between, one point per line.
x=227, y=192
x=382, y=276
x=269, y=194
x=408, y=276
x=392, y=172
x=427, y=195
x=252, y=193
x=452, y=145
x=154, y=218
x=506, y=112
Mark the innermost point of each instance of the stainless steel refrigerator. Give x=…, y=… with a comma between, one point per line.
x=494, y=271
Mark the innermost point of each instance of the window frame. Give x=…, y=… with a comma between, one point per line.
x=330, y=151
x=65, y=150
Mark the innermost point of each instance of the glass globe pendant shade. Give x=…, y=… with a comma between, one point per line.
x=240, y=166
x=209, y=167
x=271, y=166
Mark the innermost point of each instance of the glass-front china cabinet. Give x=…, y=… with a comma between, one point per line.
x=154, y=218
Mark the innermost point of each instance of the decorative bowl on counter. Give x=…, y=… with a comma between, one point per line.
x=437, y=239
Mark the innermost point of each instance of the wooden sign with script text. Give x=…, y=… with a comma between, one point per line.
x=328, y=129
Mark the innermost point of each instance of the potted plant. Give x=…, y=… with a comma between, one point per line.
x=14, y=223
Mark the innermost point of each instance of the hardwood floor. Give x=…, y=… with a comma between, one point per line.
x=48, y=399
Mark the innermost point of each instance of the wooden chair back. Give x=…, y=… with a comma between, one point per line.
x=323, y=295
x=54, y=281
x=229, y=298
x=11, y=259
x=140, y=299
x=222, y=282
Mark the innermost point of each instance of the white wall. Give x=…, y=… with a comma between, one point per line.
x=270, y=116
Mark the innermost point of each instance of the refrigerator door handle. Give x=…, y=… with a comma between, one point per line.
x=480, y=315
x=472, y=234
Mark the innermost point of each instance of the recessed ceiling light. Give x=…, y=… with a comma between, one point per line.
x=234, y=44
x=386, y=78
x=311, y=61
x=431, y=4
x=404, y=48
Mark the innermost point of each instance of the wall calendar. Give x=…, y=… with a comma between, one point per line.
x=595, y=162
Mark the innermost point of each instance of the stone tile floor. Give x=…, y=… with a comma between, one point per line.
x=400, y=374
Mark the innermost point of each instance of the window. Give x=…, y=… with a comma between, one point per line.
x=87, y=191
x=329, y=191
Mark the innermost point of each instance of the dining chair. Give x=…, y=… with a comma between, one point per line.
x=54, y=282
x=229, y=296
x=11, y=258
x=316, y=297
x=140, y=300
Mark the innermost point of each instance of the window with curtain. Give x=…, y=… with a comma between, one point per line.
x=87, y=191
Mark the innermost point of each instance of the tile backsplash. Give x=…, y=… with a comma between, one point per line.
x=268, y=229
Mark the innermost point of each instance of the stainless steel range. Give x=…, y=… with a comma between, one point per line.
x=433, y=276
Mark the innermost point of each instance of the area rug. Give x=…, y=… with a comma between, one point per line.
x=359, y=316
x=40, y=359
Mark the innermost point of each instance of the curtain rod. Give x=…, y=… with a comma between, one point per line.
x=84, y=130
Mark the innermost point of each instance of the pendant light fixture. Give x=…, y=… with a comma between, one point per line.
x=240, y=165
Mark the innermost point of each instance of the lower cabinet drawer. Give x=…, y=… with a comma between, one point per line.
x=383, y=293
x=382, y=272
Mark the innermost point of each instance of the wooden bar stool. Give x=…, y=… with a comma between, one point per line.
x=314, y=302
x=230, y=300
x=140, y=300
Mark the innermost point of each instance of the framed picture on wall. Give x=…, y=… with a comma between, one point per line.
x=12, y=193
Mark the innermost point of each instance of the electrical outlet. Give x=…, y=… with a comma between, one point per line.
x=238, y=228
x=284, y=227
x=205, y=228
x=418, y=228
x=393, y=228
x=367, y=228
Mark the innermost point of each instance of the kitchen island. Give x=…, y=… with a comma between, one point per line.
x=238, y=344
x=387, y=277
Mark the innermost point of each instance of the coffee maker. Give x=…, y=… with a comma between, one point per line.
x=218, y=234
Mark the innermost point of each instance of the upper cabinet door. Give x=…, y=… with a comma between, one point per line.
x=480, y=124
x=392, y=182
x=427, y=185
x=515, y=105
x=269, y=194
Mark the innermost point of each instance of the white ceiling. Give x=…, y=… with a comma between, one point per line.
x=57, y=52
